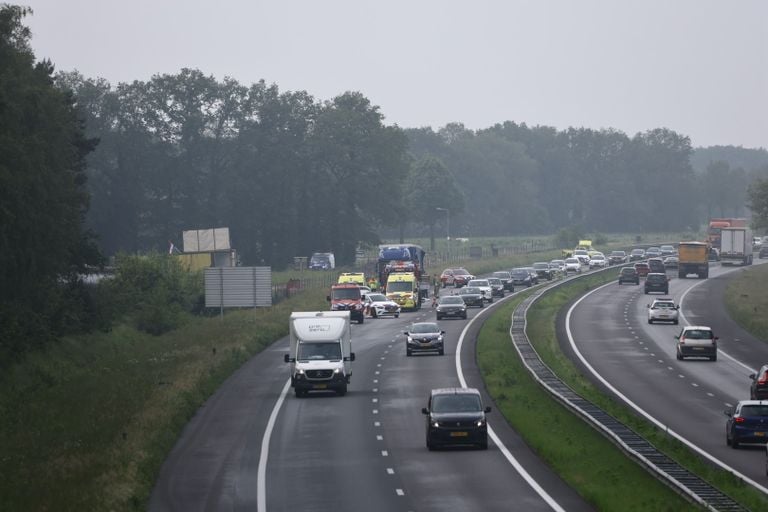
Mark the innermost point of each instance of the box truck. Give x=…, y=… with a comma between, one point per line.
x=736, y=246
x=320, y=351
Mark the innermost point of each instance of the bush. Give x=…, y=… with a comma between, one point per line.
x=154, y=292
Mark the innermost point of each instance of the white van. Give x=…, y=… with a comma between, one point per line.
x=320, y=351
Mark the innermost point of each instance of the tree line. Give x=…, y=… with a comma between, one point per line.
x=89, y=170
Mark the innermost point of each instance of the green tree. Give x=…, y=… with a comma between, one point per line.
x=430, y=185
x=757, y=201
x=43, y=244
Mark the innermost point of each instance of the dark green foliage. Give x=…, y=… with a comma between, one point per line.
x=154, y=292
x=43, y=245
x=758, y=203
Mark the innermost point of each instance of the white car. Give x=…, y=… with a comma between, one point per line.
x=663, y=310
x=582, y=255
x=572, y=265
x=378, y=305
x=485, y=286
x=598, y=260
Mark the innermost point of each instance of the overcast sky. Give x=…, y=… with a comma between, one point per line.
x=699, y=67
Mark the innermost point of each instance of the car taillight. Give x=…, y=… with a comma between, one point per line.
x=682, y=340
x=738, y=419
x=763, y=379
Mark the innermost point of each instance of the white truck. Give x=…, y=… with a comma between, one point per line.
x=736, y=246
x=320, y=351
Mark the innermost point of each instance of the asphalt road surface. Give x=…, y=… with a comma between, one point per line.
x=363, y=451
x=609, y=329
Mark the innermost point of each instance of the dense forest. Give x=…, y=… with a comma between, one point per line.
x=88, y=168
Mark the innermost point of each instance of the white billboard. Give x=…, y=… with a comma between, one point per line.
x=206, y=240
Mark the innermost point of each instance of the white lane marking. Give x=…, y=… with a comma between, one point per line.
x=261, y=474
x=694, y=384
x=375, y=411
x=379, y=438
x=636, y=407
x=503, y=449
x=719, y=350
x=390, y=471
x=376, y=423
x=384, y=453
x=728, y=405
x=400, y=492
x=711, y=394
x=375, y=390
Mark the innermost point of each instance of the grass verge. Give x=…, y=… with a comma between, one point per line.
x=541, y=331
x=87, y=424
x=746, y=300
x=591, y=464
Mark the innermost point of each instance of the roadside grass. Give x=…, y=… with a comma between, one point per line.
x=541, y=322
x=589, y=462
x=746, y=300
x=87, y=424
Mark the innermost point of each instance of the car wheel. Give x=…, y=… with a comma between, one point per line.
x=679, y=356
x=374, y=314
x=300, y=393
x=482, y=304
x=438, y=317
x=666, y=291
x=713, y=358
x=734, y=443
x=441, y=352
x=408, y=353
x=675, y=322
x=397, y=315
x=727, y=440
x=646, y=292
x=430, y=445
x=360, y=320
x=342, y=390
x=483, y=445
x=650, y=321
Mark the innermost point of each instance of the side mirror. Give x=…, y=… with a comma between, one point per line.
x=752, y=376
x=442, y=332
x=488, y=409
x=677, y=337
x=352, y=356
x=717, y=338
x=328, y=298
x=424, y=410
x=728, y=412
x=287, y=358
x=405, y=332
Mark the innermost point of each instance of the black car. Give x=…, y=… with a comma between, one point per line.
x=456, y=416
x=657, y=265
x=472, y=296
x=628, y=275
x=747, y=423
x=497, y=287
x=522, y=277
x=506, y=278
x=534, y=275
x=637, y=254
x=451, y=306
x=542, y=270
x=759, y=388
x=656, y=282
x=424, y=337
x=617, y=258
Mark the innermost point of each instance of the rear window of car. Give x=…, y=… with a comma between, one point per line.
x=698, y=334
x=663, y=305
x=656, y=278
x=627, y=270
x=754, y=410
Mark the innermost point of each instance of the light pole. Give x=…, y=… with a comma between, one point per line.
x=447, y=228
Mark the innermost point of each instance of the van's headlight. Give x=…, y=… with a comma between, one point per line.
x=435, y=424
x=479, y=423
x=299, y=371
x=337, y=370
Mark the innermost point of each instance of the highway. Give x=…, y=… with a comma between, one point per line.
x=255, y=446
x=606, y=332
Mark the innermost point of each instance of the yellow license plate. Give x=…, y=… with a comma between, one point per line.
x=759, y=434
x=459, y=434
x=320, y=386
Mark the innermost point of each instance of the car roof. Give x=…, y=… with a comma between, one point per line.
x=454, y=391
x=423, y=323
x=753, y=402
x=697, y=328
x=469, y=289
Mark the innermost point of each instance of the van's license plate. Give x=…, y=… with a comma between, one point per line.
x=320, y=386
x=459, y=434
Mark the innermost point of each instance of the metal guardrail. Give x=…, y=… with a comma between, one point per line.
x=633, y=444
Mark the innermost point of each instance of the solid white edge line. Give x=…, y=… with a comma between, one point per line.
x=261, y=475
x=637, y=408
x=503, y=449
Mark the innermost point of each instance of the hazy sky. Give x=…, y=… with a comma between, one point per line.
x=699, y=67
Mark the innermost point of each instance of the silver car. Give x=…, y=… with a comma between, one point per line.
x=696, y=341
x=663, y=310
x=485, y=287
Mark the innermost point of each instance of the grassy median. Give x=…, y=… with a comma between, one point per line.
x=746, y=299
x=599, y=488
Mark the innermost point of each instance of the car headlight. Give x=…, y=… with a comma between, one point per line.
x=300, y=372
x=410, y=339
x=479, y=423
x=337, y=370
x=435, y=424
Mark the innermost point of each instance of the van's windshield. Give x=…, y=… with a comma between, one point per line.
x=319, y=351
x=400, y=286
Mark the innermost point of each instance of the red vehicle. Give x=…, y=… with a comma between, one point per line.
x=347, y=297
x=643, y=269
x=457, y=277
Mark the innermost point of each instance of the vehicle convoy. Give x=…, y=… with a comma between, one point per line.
x=456, y=416
x=347, y=297
x=716, y=226
x=693, y=258
x=320, y=351
x=404, y=289
x=736, y=246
